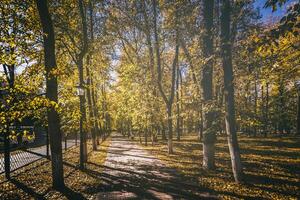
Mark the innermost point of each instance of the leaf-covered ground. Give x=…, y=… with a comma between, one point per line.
x=34, y=180
x=271, y=166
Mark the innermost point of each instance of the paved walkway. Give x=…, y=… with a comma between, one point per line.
x=133, y=173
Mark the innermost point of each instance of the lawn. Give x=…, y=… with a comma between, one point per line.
x=271, y=166
x=34, y=180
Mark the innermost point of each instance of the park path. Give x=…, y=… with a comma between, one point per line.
x=130, y=172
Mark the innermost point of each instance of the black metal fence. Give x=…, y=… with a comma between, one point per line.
x=18, y=152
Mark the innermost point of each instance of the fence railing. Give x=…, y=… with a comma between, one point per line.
x=15, y=156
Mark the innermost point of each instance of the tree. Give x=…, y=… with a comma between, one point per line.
x=209, y=136
x=229, y=91
x=75, y=43
x=83, y=51
x=298, y=109
x=90, y=89
x=51, y=94
x=168, y=100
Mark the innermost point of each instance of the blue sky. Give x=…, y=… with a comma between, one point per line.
x=267, y=12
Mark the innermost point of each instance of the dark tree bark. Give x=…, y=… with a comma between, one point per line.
x=163, y=131
x=83, y=137
x=178, y=124
x=146, y=135
x=96, y=112
x=209, y=135
x=282, y=106
x=83, y=51
x=229, y=92
x=91, y=104
x=298, y=113
x=200, y=133
x=94, y=93
x=267, y=109
x=255, y=104
x=265, y=102
x=263, y=110
x=52, y=94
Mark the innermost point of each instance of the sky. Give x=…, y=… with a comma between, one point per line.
x=267, y=12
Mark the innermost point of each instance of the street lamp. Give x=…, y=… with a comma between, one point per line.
x=80, y=90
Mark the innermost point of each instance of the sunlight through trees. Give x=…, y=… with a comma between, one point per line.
x=155, y=71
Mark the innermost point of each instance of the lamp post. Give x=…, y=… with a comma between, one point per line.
x=80, y=90
x=83, y=147
x=297, y=83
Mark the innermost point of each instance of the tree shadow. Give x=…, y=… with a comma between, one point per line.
x=65, y=191
x=273, y=149
x=142, y=176
x=71, y=194
x=148, y=182
x=254, y=180
x=280, y=143
x=27, y=189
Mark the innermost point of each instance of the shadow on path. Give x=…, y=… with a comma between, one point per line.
x=130, y=172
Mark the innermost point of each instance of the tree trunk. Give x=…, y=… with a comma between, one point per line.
x=209, y=135
x=52, y=95
x=83, y=51
x=168, y=100
x=298, y=114
x=263, y=108
x=170, y=127
x=151, y=60
x=282, y=114
x=255, y=104
x=177, y=105
x=96, y=112
x=146, y=135
x=90, y=106
x=140, y=137
x=90, y=88
x=163, y=131
x=267, y=110
x=200, y=134
x=83, y=145
x=229, y=92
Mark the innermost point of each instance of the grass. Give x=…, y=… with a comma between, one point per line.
x=271, y=166
x=34, y=180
